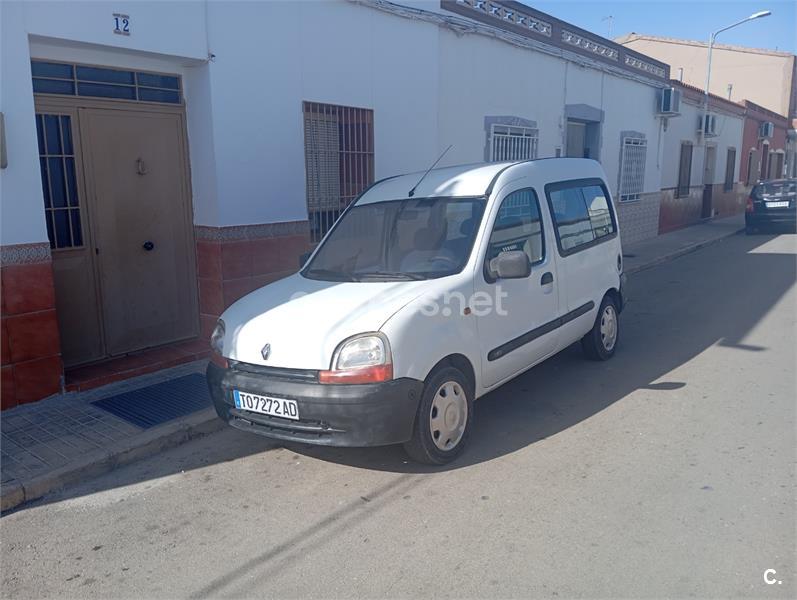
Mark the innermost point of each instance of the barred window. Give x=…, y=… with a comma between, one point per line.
x=59, y=180
x=339, y=160
x=511, y=142
x=632, y=168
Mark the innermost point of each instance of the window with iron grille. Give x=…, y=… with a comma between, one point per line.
x=59, y=180
x=684, y=170
x=102, y=82
x=339, y=160
x=510, y=142
x=730, y=170
x=632, y=168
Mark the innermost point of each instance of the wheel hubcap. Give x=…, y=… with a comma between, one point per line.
x=609, y=327
x=449, y=415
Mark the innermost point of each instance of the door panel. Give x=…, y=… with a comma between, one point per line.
x=69, y=232
x=514, y=334
x=708, y=182
x=576, y=139
x=143, y=240
x=589, y=252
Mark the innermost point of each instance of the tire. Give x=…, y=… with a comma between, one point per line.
x=601, y=341
x=426, y=445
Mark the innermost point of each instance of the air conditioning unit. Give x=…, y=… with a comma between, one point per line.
x=766, y=130
x=707, y=127
x=669, y=102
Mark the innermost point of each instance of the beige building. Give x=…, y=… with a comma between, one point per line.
x=766, y=77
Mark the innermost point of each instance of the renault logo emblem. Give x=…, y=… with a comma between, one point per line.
x=266, y=351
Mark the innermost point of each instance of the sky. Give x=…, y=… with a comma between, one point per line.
x=686, y=19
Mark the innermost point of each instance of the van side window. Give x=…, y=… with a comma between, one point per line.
x=572, y=218
x=518, y=226
x=598, y=208
x=581, y=213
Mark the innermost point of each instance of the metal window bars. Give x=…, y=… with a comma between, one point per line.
x=339, y=160
x=632, y=168
x=510, y=142
x=59, y=181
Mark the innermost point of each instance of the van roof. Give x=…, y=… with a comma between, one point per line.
x=475, y=179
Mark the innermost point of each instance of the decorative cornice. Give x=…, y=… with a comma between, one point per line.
x=251, y=232
x=642, y=65
x=519, y=19
x=509, y=15
x=25, y=254
x=575, y=39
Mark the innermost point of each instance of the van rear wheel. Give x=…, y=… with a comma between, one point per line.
x=601, y=342
x=444, y=418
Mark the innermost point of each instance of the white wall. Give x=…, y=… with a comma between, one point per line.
x=428, y=88
x=684, y=128
x=170, y=27
x=21, y=201
x=482, y=76
x=165, y=36
x=331, y=52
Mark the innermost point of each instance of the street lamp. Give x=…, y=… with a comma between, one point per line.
x=758, y=15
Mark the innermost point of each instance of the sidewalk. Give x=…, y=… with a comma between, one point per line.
x=66, y=439
x=649, y=253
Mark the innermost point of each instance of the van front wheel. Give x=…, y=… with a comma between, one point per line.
x=601, y=342
x=444, y=417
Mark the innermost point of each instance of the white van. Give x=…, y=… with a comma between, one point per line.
x=429, y=291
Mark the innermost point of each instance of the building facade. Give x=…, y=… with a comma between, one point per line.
x=701, y=174
x=166, y=158
x=766, y=77
x=767, y=151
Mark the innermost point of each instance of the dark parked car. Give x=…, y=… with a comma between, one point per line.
x=772, y=205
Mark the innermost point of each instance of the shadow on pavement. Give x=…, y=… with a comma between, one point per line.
x=676, y=311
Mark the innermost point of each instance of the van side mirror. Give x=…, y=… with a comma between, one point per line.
x=511, y=265
x=303, y=259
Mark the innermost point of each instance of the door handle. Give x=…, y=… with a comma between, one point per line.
x=546, y=278
x=148, y=246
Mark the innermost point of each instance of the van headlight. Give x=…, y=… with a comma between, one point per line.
x=364, y=358
x=217, y=338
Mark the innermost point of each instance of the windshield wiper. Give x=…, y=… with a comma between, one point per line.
x=330, y=274
x=393, y=275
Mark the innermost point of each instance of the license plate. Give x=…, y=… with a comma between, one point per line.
x=778, y=204
x=265, y=405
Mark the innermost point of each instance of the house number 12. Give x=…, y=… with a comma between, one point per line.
x=121, y=24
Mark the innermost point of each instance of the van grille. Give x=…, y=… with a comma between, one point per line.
x=275, y=372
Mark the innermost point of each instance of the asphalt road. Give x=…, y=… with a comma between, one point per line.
x=669, y=471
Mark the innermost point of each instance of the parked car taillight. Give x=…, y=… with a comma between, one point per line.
x=749, y=207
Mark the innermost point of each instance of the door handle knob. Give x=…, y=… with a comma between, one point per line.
x=148, y=246
x=546, y=278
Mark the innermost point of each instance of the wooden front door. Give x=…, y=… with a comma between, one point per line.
x=137, y=188
x=117, y=204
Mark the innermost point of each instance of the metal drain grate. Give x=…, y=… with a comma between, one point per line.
x=156, y=404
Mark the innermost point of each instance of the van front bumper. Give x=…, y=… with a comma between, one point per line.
x=373, y=414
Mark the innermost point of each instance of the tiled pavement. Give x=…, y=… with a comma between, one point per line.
x=40, y=437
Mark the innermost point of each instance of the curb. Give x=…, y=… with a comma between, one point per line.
x=99, y=462
x=682, y=251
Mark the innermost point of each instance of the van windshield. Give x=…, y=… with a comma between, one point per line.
x=415, y=238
